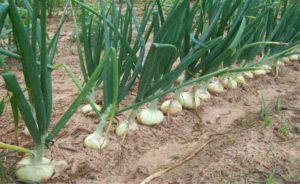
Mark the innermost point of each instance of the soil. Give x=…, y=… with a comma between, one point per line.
x=241, y=148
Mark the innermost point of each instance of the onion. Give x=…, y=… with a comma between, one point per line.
x=248, y=75
x=126, y=127
x=95, y=141
x=240, y=79
x=151, y=117
x=203, y=94
x=286, y=59
x=259, y=72
x=180, y=78
x=26, y=131
x=215, y=87
x=188, y=100
x=122, y=128
x=267, y=68
x=280, y=64
x=229, y=83
x=30, y=171
x=172, y=107
x=294, y=57
x=88, y=110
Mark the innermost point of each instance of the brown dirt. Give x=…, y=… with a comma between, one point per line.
x=243, y=148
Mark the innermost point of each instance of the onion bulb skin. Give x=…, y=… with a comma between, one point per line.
x=267, y=68
x=240, y=79
x=88, y=110
x=229, y=83
x=26, y=131
x=126, y=127
x=180, y=78
x=294, y=57
x=95, y=141
x=122, y=128
x=248, y=75
x=285, y=59
x=259, y=72
x=215, y=87
x=203, y=94
x=150, y=117
x=171, y=107
x=29, y=171
x=280, y=64
x=188, y=100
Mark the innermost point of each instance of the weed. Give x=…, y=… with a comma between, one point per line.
x=284, y=129
x=269, y=179
x=228, y=141
x=264, y=113
x=278, y=105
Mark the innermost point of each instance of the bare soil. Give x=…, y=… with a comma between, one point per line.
x=241, y=148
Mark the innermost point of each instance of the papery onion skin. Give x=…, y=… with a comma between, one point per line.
x=203, y=94
x=215, y=87
x=150, y=117
x=294, y=57
x=95, y=141
x=122, y=128
x=88, y=110
x=28, y=171
x=171, y=107
x=240, y=79
x=229, y=83
x=248, y=75
x=188, y=101
x=267, y=68
x=285, y=59
x=259, y=72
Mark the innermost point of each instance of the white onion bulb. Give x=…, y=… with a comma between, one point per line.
x=248, y=74
x=126, y=127
x=229, y=83
x=95, y=141
x=150, y=117
x=285, y=59
x=88, y=110
x=203, y=94
x=172, y=107
x=122, y=128
x=26, y=131
x=259, y=72
x=188, y=100
x=216, y=87
x=294, y=57
x=267, y=68
x=240, y=79
x=280, y=64
x=28, y=171
x=180, y=78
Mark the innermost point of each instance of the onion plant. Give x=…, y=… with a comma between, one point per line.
x=167, y=46
x=113, y=26
x=2, y=105
x=283, y=26
x=53, y=5
x=36, y=57
x=202, y=39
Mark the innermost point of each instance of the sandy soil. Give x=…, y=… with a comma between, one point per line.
x=240, y=149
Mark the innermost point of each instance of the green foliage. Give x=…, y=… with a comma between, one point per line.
x=4, y=178
x=264, y=113
x=2, y=105
x=201, y=38
x=284, y=129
